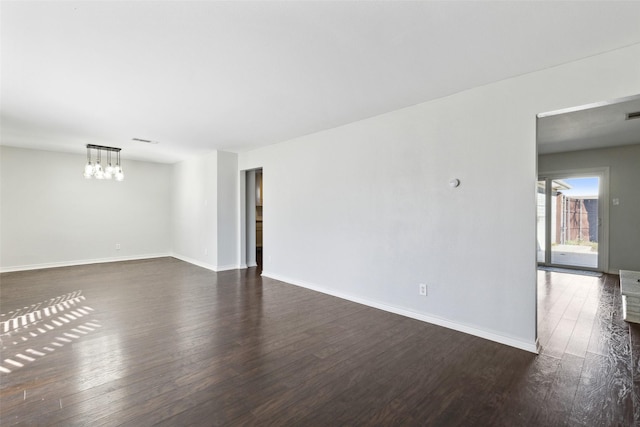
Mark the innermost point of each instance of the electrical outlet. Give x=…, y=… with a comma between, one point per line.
x=422, y=289
x=117, y=246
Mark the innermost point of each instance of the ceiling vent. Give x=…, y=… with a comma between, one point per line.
x=635, y=115
x=146, y=141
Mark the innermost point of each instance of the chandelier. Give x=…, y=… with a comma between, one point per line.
x=96, y=170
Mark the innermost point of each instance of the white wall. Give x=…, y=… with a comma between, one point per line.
x=50, y=215
x=364, y=211
x=205, y=210
x=228, y=212
x=624, y=184
x=194, y=218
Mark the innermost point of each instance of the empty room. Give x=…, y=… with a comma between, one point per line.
x=319, y=213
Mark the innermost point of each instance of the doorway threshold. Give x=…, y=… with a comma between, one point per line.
x=571, y=271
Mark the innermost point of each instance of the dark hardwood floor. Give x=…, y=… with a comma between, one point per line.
x=164, y=342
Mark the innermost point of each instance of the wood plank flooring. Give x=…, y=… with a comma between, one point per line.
x=162, y=342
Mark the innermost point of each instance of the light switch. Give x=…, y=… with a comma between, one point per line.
x=616, y=202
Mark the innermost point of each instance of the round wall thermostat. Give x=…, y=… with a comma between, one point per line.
x=454, y=183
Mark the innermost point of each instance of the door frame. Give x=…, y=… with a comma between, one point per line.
x=603, y=212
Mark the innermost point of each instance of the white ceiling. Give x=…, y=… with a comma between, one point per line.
x=599, y=125
x=198, y=76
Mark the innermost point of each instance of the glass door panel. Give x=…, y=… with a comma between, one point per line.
x=574, y=221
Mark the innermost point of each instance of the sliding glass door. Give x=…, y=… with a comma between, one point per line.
x=569, y=221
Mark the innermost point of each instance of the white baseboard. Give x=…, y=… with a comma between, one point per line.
x=215, y=268
x=79, y=262
x=227, y=267
x=251, y=264
x=492, y=336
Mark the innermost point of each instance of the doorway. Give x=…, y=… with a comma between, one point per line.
x=570, y=220
x=259, y=200
x=253, y=223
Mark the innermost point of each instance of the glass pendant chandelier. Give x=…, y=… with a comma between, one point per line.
x=96, y=171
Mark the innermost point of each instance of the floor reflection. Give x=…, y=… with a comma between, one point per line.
x=33, y=332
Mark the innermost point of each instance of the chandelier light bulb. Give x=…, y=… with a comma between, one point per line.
x=99, y=173
x=88, y=170
x=119, y=174
x=108, y=171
